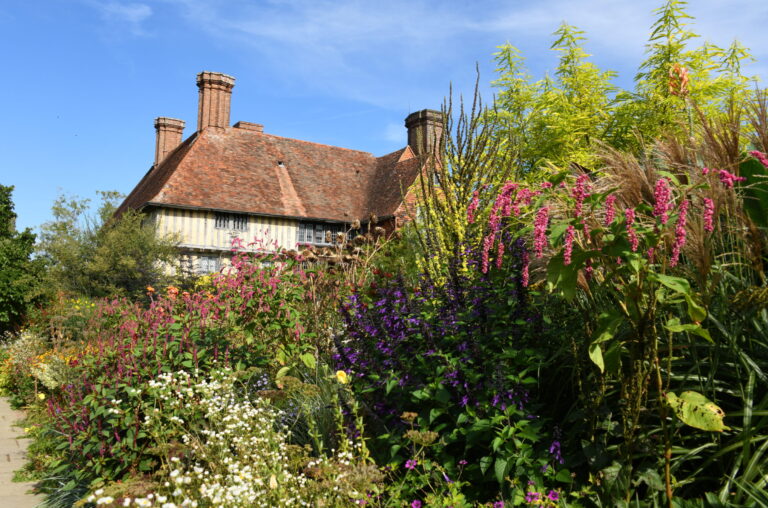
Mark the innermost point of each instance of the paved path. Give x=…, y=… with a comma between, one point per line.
x=13, y=495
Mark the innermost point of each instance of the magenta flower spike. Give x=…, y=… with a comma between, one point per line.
x=679, y=233
x=540, y=231
x=570, y=233
x=709, y=215
x=610, y=211
x=662, y=195
x=629, y=213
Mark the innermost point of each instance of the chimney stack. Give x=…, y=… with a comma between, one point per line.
x=425, y=132
x=215, y=96
x=169, y=133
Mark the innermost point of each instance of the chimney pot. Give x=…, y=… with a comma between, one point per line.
x=214, y=101
x=425, y=131
x=169, y=135
x=248, y=126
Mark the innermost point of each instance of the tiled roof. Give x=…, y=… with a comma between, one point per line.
x=243, y=170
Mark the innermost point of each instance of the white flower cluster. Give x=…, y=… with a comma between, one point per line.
x=240, y=458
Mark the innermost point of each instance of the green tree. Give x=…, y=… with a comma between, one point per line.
x=19, y=273
x=105, y=255
x=559, y=119
x=674, y=78
x=554, y=119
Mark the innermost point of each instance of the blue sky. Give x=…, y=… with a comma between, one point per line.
x=83, y=80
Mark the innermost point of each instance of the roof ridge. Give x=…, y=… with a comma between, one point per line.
x=312, y=143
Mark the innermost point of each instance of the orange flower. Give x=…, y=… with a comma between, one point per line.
x=678, y=80
x=150, y=289
x=172, y=292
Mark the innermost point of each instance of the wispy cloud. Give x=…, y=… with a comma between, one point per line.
x=130, y=15
x=374, y=51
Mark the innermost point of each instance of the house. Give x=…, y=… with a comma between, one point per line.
x=228, y=182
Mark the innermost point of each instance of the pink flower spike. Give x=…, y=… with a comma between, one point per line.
x=473, y=207
x=499, y=254
x=709, y=215
x=662, y=195
x=728, y=179
x=679, y=233
x=760, y=156
x=540, y=231
x=487, y=244
x=588, y=270
x=580, y=192
x=570, y=233
x=526, y=264
x=629, y=213
x=610, y=212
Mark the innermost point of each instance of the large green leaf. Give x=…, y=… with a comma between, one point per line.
x=696, y=410
x=674, y=325
x=678, y=284
x=596, y=355
x=607, y=324
x=755, y=191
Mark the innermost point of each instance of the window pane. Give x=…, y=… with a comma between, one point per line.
x=240, y=222
x=221, y=220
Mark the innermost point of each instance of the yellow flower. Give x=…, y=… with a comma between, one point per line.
x=41, y=396
x=272, y=482
x=341, y=377
x=27, y=429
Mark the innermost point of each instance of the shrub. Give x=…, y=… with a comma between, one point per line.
x=460, y=360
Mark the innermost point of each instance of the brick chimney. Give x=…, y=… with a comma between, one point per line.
x=215, y=96
x=425, y=131
x=169, y=133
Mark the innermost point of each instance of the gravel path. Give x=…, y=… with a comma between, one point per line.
x=13, y=495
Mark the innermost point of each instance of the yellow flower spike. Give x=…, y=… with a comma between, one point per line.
x=341, y=377
x=41, y=396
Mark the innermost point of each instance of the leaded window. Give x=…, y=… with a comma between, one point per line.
x=208, y=264
x=235, y=221
x=319, y=233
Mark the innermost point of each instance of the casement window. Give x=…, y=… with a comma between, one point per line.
x=235, y=221
x=319, y=233
x=208, y=264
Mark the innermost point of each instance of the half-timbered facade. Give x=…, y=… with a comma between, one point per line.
x=226, y=185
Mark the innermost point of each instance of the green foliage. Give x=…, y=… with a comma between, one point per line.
x=555, y=119
x=420, y=354
x=20, y=286
x=696, y=410
x=104, y=255
x=563, y=119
